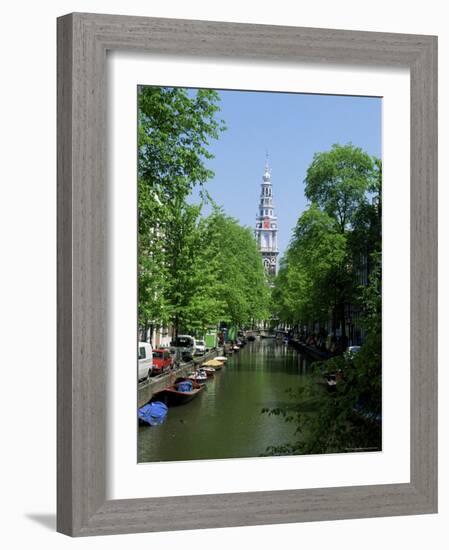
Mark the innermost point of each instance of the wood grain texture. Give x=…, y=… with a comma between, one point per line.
x=423, y=274
x=64, y=277
x=83, y=40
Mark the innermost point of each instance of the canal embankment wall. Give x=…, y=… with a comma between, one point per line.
x=153, y=385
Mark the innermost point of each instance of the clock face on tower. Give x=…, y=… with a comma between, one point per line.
x=266, y=223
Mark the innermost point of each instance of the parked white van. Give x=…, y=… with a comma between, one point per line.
x=200, y=347
x=145, y=360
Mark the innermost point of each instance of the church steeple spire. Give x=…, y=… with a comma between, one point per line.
x=266, y=223
x=267, y=166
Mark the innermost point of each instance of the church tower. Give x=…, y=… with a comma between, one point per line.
x=266, y=224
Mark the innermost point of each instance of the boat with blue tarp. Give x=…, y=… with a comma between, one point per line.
x=182, y=391
x=153, y=413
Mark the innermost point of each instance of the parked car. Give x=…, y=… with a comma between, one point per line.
x=145, y=362
x=184, y=346
x=200, y=348
x=162, y=360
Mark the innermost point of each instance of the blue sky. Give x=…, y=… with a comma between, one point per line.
x=291, y=128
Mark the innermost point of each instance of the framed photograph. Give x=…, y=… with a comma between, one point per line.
x=247, y=274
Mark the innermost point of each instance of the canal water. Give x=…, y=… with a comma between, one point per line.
x=226, y=420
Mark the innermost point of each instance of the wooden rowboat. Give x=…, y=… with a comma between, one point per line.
x=173, y=396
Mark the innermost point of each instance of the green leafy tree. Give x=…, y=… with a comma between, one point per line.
x=194, y=291
x=314, y=278
x=337, y=181
x=330, y=245
x=365, y=238
x=242, y=284
x=174, y=132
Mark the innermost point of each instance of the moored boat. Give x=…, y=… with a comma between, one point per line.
x=153, y=413
x=199, y=376
x=220, y=358
x=182, y=391
x=217, y=365
x=210, y=371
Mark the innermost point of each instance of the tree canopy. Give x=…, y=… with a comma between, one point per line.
x=333, y=239
x=194, y=272
x=337, y=181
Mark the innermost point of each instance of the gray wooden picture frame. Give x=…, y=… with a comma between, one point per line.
x=83, y=40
